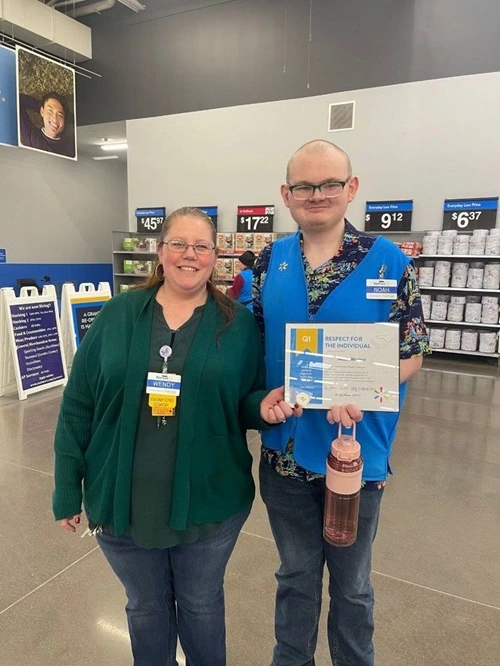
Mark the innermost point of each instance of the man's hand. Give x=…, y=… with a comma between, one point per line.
x=345, y=414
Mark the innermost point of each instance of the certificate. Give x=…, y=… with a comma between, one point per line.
x=327, y=364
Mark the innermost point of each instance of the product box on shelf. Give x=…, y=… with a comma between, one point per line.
x=244, y=242
x=124, y=287
x=410, y=248
x=128, y=266
x=225, y=268
x=145, y=245
x=128, y=244
x=261, y=240
x=225, y=242
x=143, y=267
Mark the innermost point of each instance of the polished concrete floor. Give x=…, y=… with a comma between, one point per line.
x=436, y=567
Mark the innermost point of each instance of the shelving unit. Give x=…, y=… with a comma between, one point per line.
x=119, y=255
x=465, y=324
x=461, y=290
x=465, y=353
x=469, y=258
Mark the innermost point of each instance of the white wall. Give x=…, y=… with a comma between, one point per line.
x=425, y=141
x=57, y=211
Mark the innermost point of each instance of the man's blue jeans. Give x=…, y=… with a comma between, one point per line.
x=296, y=511
x=175, y=591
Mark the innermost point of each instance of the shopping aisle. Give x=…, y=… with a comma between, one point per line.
x=436, y=560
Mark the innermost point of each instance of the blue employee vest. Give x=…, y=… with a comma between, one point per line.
x=245, y=296
x=285, y=300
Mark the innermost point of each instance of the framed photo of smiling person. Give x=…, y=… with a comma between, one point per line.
x=46, y=105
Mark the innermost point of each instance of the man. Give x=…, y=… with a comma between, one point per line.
x=50, y=138
x=320, y=275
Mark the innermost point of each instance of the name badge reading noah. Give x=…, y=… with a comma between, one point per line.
x=382, y=289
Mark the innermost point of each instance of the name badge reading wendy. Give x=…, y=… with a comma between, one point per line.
x=382, y=289
x=159, y=384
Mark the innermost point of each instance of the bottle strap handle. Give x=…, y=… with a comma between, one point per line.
x=353, y=429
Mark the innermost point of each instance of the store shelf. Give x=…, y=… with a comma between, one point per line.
x=134, y=252
x=466, y=353
x=460, y=289
x=467, y=324
x=471, y=257
x=132, y=275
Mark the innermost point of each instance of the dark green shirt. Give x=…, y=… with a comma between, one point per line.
x=222, y=389
x=156, y=448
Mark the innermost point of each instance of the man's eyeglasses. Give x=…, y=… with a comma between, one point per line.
x=330, y=189
x=180, y=246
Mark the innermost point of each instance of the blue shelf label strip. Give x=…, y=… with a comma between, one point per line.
x=149, y=212
x=471, y=204
x=389, y=206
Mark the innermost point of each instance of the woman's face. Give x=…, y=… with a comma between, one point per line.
x=188, y=271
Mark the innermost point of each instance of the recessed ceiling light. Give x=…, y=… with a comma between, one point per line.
x=134, y=5
x=115, y=146
x=106, y=157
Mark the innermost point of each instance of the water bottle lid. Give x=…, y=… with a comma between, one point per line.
x=345, y=447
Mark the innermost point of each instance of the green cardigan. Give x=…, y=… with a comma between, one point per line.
x=222, y=387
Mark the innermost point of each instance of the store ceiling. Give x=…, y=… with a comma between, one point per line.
x=90, y=139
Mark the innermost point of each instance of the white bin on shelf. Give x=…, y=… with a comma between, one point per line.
x=491, y=279
x=469, y=339
x=459, y=274
x=439, y=310
x=475, y=276
x=442, y=273
x=425, y=276
x=437, y=337
x=488, y=342
x=473, y=313
x=452, y=338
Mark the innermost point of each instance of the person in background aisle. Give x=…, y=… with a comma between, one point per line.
x=241, y=289
x=167, y=481
x=319, y=274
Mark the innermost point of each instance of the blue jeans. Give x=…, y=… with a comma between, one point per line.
x=295, y=510
x=175, y=591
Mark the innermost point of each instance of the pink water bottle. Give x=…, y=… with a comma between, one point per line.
x=343, y=486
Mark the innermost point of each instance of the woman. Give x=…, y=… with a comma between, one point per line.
x=167, y=487
x=241, y=289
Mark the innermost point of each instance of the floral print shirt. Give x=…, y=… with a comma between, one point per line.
x=406, y=310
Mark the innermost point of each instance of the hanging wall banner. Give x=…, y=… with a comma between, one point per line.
x=255, y=218
x=46, y=105
x=31, y=323
x=388, y=216
x=78, y=311
x=8, y=97
x=212, y=212
x=470, y=214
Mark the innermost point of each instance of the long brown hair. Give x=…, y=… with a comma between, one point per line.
x=224, y=303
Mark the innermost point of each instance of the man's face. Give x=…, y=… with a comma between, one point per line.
x=52, y=113
x=319, y=213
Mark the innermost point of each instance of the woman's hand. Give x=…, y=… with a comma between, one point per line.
x=66, y=523
x=345, y=414
x=273, y=409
